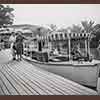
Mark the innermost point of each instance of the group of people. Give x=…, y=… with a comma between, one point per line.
x=76, y=51
x=16, y=45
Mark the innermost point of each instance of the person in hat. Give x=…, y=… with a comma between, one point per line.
x=12, y=40
x=19, y=44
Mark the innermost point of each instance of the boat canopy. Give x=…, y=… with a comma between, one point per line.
x=64, y=36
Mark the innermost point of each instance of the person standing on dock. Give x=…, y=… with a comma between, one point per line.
x=19, y=44
x=12, y=40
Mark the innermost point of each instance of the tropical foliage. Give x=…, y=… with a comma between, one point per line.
x=87, y=26
x=6, y=15
x=53, y=27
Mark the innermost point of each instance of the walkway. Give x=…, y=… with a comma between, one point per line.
x=5, y=56
x=23, y=78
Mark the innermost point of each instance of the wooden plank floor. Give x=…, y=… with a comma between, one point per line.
x=23, y=78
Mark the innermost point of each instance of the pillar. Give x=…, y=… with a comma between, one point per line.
x=86, y=47
x=69, y=47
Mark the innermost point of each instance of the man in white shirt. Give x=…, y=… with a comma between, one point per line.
x=12, y=39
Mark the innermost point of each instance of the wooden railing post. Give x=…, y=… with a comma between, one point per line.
x=69, y=47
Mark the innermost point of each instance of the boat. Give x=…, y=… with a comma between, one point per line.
x=82, y=69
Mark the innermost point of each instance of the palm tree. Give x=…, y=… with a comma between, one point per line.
x=6, y=15
x=53, y=27
x=88, y=27
x=96, y=31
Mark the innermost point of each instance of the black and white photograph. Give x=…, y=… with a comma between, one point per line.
x=49, y=49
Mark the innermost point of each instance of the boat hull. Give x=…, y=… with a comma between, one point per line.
x=85, y=74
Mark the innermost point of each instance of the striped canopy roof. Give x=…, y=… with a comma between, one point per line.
x=63, y=36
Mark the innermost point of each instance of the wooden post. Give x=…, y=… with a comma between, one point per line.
x=69, y=47
x=31, y=51
x=98, y=86
x=98, y=79
x=48, y=48
x=86, y=47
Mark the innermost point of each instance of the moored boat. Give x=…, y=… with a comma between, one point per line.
x=75, y=63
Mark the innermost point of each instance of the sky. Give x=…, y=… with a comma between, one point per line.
x=60, y=14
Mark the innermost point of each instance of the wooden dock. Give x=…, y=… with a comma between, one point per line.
x=23, y=78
